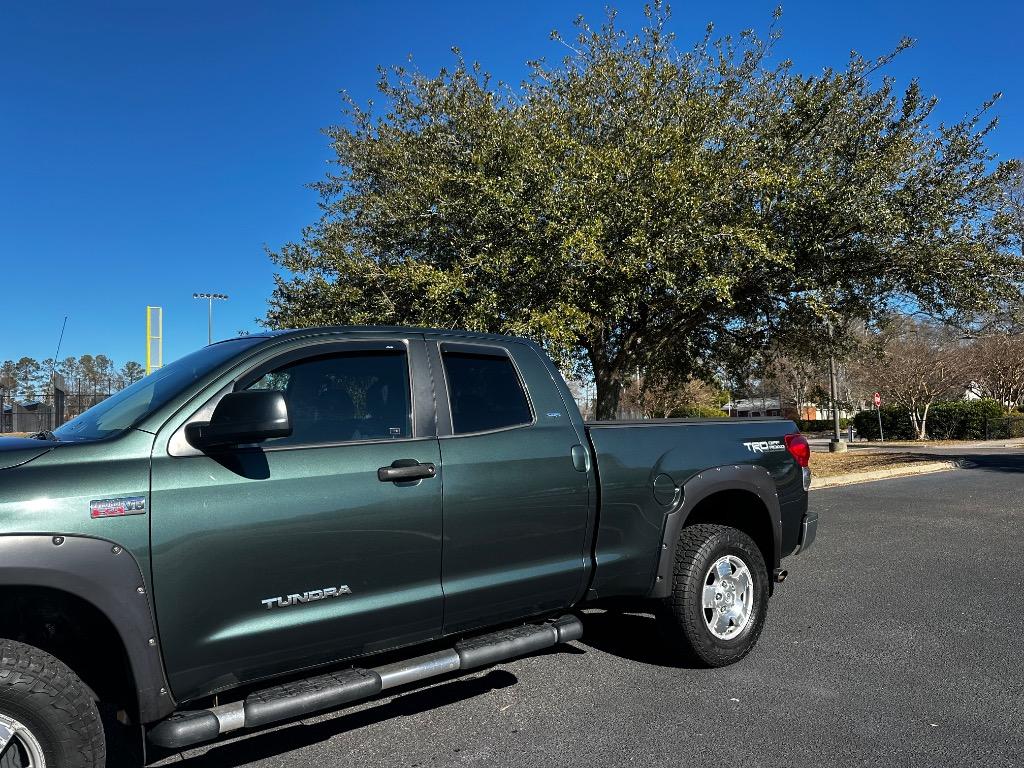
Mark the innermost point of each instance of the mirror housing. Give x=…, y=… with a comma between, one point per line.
x=242, y=417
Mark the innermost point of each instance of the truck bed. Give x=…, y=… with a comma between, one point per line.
x=632, y=455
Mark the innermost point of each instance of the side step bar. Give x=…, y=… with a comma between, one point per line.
x=331, y=690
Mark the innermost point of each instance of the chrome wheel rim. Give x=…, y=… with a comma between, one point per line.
x=728, y=597
x=18, y=742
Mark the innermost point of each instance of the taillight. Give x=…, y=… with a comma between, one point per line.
x=799, y=448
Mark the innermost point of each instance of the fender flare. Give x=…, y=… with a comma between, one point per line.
x=107, y=576
x=740, y=477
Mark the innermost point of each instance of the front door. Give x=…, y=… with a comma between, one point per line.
x=295, y=553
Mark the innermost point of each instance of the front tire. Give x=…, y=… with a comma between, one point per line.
x=719, y=598
x=47, y=717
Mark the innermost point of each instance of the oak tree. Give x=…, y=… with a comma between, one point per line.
x=638, y=204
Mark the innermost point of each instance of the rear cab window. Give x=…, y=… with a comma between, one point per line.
x=485, y=391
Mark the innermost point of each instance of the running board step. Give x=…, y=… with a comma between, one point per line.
x=330, y=691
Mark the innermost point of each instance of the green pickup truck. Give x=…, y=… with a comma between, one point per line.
x=284, y=523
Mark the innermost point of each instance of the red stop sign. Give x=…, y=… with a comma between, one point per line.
x=878, y=399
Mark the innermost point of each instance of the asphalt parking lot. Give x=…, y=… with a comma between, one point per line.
x=897, y=640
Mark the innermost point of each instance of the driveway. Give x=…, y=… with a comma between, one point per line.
x=897, y=640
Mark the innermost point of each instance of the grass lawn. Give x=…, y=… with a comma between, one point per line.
x=832, y=464
x=913, y=443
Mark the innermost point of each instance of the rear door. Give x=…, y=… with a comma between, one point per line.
x=270, y=558
x=515, y=505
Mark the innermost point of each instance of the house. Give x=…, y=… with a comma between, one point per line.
x=752, y=407
x=769, y=406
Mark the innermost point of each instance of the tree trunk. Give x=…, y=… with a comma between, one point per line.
x=914, y=420
x=923, y=434
x=609, y=390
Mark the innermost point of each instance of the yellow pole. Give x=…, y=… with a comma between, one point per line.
x=154, y=336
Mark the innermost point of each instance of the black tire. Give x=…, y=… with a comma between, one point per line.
x=683, y=615
x=43, y=694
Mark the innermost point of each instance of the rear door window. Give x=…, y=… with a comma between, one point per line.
x=484, y=391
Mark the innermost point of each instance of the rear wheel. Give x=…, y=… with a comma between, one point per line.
x=719, y=598
x=47, y=717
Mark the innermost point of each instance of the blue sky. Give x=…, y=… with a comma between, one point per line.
x=150, y=149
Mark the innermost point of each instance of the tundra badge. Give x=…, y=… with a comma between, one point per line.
x=306, y=597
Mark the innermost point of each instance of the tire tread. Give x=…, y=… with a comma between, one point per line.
x=39, y=682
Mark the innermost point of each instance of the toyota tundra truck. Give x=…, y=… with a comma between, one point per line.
x=284, y=523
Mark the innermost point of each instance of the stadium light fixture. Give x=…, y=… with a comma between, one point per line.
x=210, y=297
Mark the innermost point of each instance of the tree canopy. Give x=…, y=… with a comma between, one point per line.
x=640, y=206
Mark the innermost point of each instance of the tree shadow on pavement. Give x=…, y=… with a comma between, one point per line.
x=999, y=462
x=268, y=744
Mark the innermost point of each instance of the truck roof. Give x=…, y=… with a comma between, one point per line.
x=397, y=329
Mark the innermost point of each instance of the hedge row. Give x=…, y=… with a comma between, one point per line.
x=819, y=425
x=949, y=420
x=697, y=412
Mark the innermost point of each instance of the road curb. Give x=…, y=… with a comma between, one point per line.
x=924, y=468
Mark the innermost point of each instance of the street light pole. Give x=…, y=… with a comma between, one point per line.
x=836, y=444
x=209, y=316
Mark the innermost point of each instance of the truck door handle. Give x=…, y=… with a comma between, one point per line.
x=406, y=469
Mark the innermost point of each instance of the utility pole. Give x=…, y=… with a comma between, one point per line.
x=836, y=444
x=209, y=317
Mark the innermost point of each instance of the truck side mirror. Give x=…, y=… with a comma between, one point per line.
x=242, y=417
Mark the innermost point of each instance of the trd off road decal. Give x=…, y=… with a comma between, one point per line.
x=765, y=446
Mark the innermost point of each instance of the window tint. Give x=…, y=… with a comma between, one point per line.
x=342, y=397
x=484, y=392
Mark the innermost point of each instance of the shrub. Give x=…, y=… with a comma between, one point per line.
x=695, y=411
x=947, y=420
x=961, y=419
x=819, y=425
x=895, y=423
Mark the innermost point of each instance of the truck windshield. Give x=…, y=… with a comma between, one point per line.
x=137, y=401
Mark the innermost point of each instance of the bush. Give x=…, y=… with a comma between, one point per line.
x=695, y=411
x=819, y=425
x=961, y=419
x=895, y=423
x=947, y=420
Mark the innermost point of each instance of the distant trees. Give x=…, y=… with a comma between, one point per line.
x=88, y=377
x=27, y=377
x=132, y=372
x=650, y=397
x=8, y=378
x=996, y=364
x=915, y=365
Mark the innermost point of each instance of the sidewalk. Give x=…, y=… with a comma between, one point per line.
x=958, y=447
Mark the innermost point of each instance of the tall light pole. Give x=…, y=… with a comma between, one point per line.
x=209, y=323
x=836, y=444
